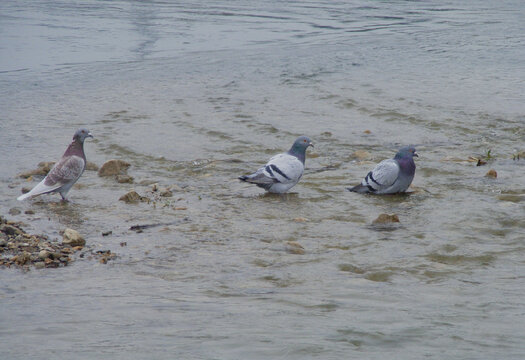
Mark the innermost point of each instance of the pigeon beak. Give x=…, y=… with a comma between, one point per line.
x=89, y=135
x=414, y=154
x=311, y=144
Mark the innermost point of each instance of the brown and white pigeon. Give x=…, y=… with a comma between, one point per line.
x=66, y=172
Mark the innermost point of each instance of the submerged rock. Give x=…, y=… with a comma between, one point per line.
x=123, y=179
x=166, y=193
x=361, y=155
x=91, y=166
x=386, y=219
x=42, y=170
x=105, y=255
x=14, y=211
x=491, y=173
x=132, y=197
x=114, y=167
x=10, y=230
x=73, y=238
x=293, y=247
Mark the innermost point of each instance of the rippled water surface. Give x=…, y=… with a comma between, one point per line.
x=194, y=95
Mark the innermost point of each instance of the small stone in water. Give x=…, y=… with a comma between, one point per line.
x=293, y=247
x=122, y=179
x=23, y=258
x=491, y=173
x=386, y=219
x=91, y=166
x=481, y=162
x=166, y=193
x=14, y=211
x=361, y=155
x=73, y=238
x=132, y=197
x=113, y=167
x=44, y=254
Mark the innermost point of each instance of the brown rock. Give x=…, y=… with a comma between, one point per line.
x=91, y=166
x=14, y=211
x=293, y=247
x=114, y=167
x=175, y=188
x=361, y=155
x=46, y=165
x=386, y=219
x=491, y=173
x=44, y=254
x=132, y=197
x=23, y=258
x=10, y=230
x=73, y=238
x=300, y=219
x=123, y=179
x=166, y=193
x=43, y=169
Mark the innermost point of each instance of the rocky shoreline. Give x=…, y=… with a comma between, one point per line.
x=21, y=249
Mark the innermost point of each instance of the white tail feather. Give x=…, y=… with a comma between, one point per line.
x=39, y=189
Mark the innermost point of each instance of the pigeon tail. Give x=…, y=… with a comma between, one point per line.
x=23, y=196
x=39, y=189
x=361, y=189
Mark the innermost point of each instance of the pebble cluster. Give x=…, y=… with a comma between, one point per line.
x=21, y=249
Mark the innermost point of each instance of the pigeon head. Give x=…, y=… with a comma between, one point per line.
x=407, y=152
x=299, y=147
x=301, y=144
x=81, y=135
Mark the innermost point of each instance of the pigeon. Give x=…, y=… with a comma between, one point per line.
x=65, y=172
x=283, y=170
x=390, y=176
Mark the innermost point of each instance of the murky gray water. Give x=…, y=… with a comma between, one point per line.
x=196, y=94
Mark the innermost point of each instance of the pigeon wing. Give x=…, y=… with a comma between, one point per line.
x=382, y=176
x=68, y=169
x=284, y=168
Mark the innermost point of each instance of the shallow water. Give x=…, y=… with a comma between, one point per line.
x=195, y=95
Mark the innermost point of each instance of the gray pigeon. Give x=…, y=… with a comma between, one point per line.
x=390, y=176
x=66, y=172
x=283, y=170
